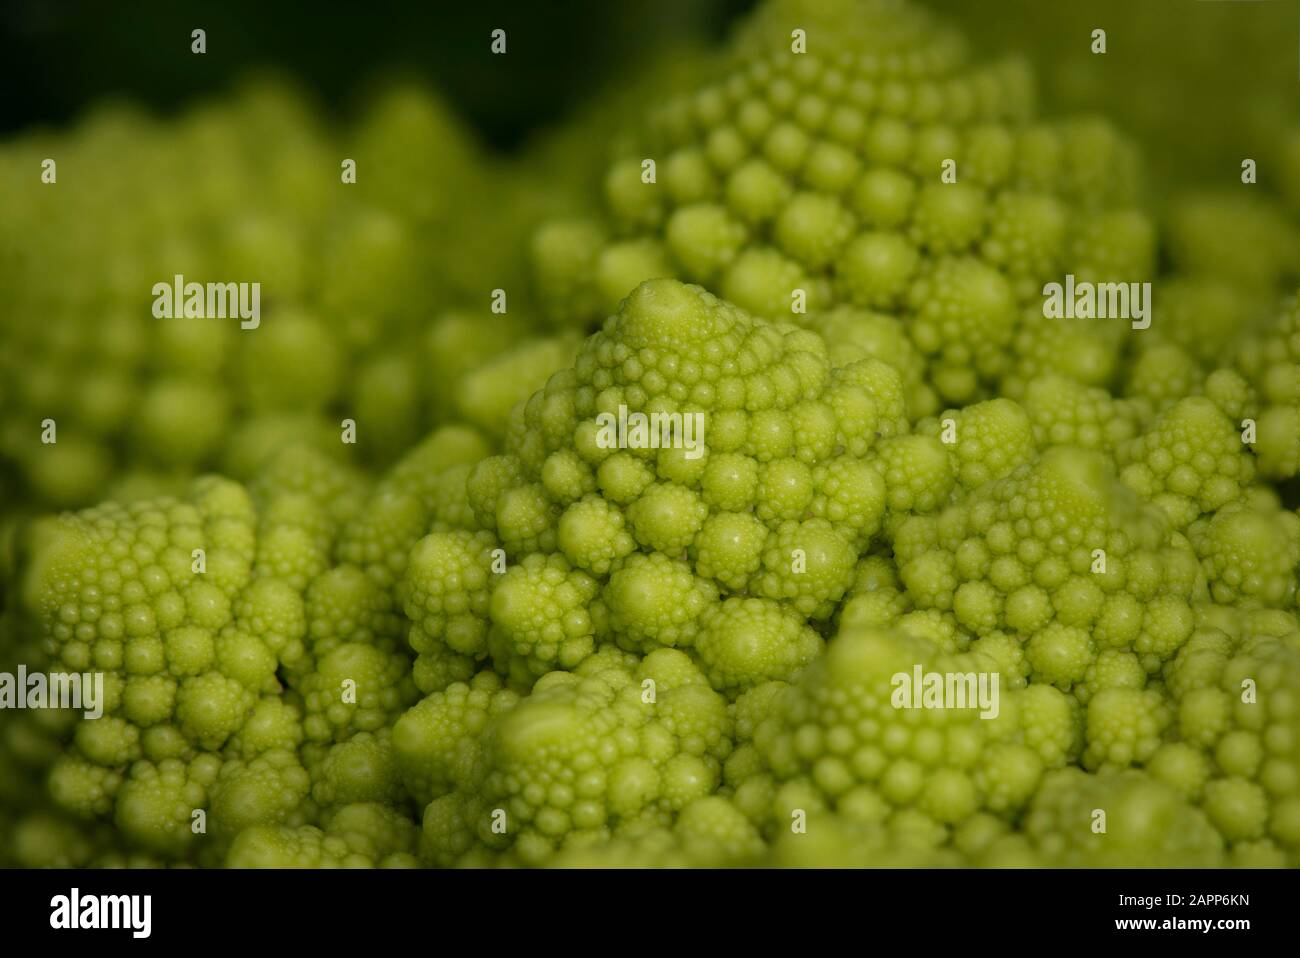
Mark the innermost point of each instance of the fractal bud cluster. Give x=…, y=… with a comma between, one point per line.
x=711, y=482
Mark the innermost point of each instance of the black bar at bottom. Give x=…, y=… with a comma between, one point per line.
x=494, y=908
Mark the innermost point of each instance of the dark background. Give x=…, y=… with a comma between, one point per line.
x=58, y=56
x=1200, y=83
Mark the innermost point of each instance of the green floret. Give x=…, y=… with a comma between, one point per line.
x=729, y=548
x=704, y=238
x=1276, y=450
x=744, y=643
x=847, y=738
x=1230, y=391
x=211, y=707
x=434, y=670
x=449, y=499
x=156, y=805
x=1238, y=807
x=709, y=833
x=272, y=846
x=939, y=628
x=1250, y=551
x=666, y=517
x=1026, y=234
x=487, y=480
x=748, y=711
x=362, y=769
x=80, y=788
x=294, y=363
x=161, y=596
x=384, y=834
x=844, y=841
x=851, y=386
x=807, y=564
x=41, y=839
x=918, y=473
x=355, y=688
x=563, y=255
x=593, y=534
x=875, y=269
x=1234, y=236
x=1067, y=413
x=380, y=539
x=307, y=477
x=854, y=334
x=293, y=552
x=1119, y=820
x=179, y=424
x=1203, y=315
x=985, y=441
x=268, y=790
x=1008, y=652
x=108, y=741
x=1182, y=765
x=270, y=610
x=405, y=504
x=948, y=218
x=1124, y=727
x=758, y=480
x=965, y=314
x=586, y=756
x=437, y=743
x=1061, y=654
x=876, y=597
x=765, y=281
x=874, y=572
x=274, y=723
x=540, y=611
x=785, y=490
x=346, y=605
x=827, y=177
x=1235, y=701
x=455, y=343
x=1191, y=461
x=654, y=601
x=851, y=495
x=1161, y=374
x=1076, y=562
x=622, y=477
x=526, y=519
x=446, y=590
x=1270, y=359
x=1086, y=353
x=1053, y=724
x=485, y=396
x=1112, y=669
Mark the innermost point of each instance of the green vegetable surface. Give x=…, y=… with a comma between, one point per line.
x=492, y=627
